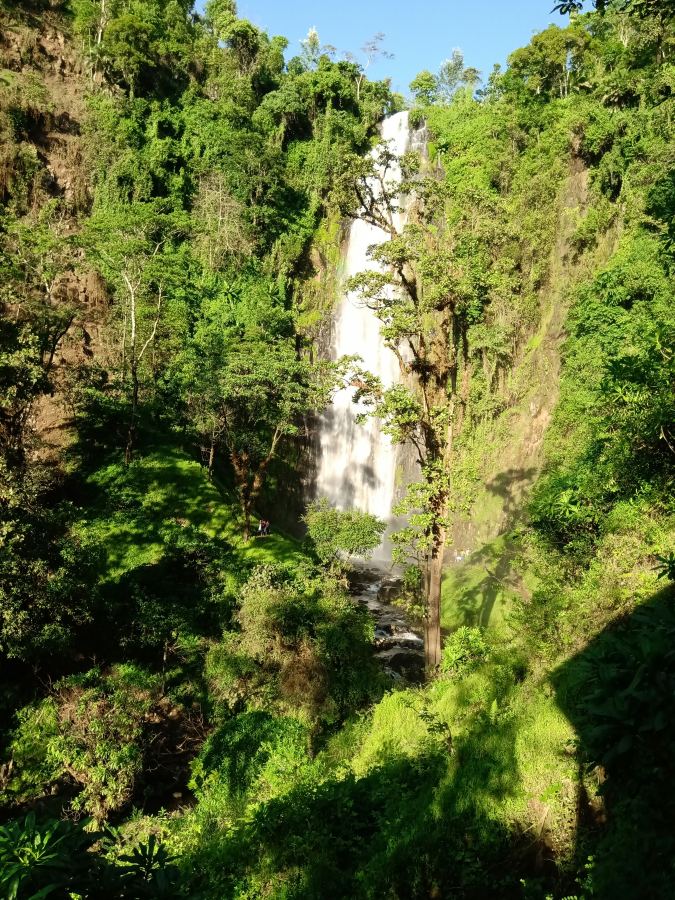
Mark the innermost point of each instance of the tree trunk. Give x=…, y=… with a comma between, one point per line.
x=432, y=622
x=212, y=457
x=131, y=434
x=101, y=24
x=251, y=481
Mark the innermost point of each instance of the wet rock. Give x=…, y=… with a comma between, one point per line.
x=397, y=645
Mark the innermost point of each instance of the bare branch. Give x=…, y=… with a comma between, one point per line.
x=154, y=326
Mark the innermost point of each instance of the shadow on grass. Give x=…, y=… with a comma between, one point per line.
x=475, y=589
x=412, y=826
x=131, y=507
x=619, y=693
x=510, y=486
x=479, y=585
x=148, y=606
x=433, y=824
x=172, y=549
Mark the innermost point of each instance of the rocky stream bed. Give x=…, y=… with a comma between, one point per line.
x=399, y=645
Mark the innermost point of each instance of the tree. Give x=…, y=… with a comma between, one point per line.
x=371, y=50
x=334, y=532
x=245, y=384
x=425, y=87
x=135, y=44
x=48, y=575
x=40, y=305
x=643, y=8
x=22, y=380
x=132, y=246
x=450, y=75
x=219, y=16
x=428, y=88
x=549, y=63
x=128, y=47
x=222, y=233
x=423, y=299
x=568, y=7
x=313, y=49
x=91, y=19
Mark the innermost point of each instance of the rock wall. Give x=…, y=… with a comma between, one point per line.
x=480, y=573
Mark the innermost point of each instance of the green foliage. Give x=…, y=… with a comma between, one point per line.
x=48, y=573
x=303, y=645
x=430, y=89
x=92, y=729
x=244, y=383
x=333, y=532
x=666, y=566
x=618, y=692
x=50, y=857
x=148, y=870
x=617, y=397
x=248, y=759
x=37, y=261
x=549, y=66
x=424, y=87
x=38, y=859
x=463, y=651
x=362, y=818
x=136, y=44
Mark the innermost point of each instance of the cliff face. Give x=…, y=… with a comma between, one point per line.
x=45, y=179
x=508, y=451
x=43, y=110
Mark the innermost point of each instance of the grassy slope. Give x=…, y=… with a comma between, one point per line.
x=131, y=506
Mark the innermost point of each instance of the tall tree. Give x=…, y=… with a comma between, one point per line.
x=132, y=245
x=423, y=298
x=245, y=384
x=39, y=306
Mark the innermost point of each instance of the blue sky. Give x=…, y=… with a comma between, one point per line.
x=420, y=33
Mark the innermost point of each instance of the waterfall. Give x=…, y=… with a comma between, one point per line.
x=357, y=462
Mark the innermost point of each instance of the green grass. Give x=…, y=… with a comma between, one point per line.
x=510, y=759
x=478, y=590
x=132, y=506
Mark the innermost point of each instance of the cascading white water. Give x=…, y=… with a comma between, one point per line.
x=357, y=464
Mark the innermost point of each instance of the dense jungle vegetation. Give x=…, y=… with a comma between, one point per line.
x=187, y=711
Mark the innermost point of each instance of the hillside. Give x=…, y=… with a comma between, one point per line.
x=191, y=708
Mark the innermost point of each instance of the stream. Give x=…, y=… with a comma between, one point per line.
x=399, y=646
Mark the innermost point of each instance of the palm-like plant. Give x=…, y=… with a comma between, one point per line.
x=665, y=566
x=37, y=859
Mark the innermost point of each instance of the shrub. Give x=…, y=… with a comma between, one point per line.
x=464, y=651
x=93, y=730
